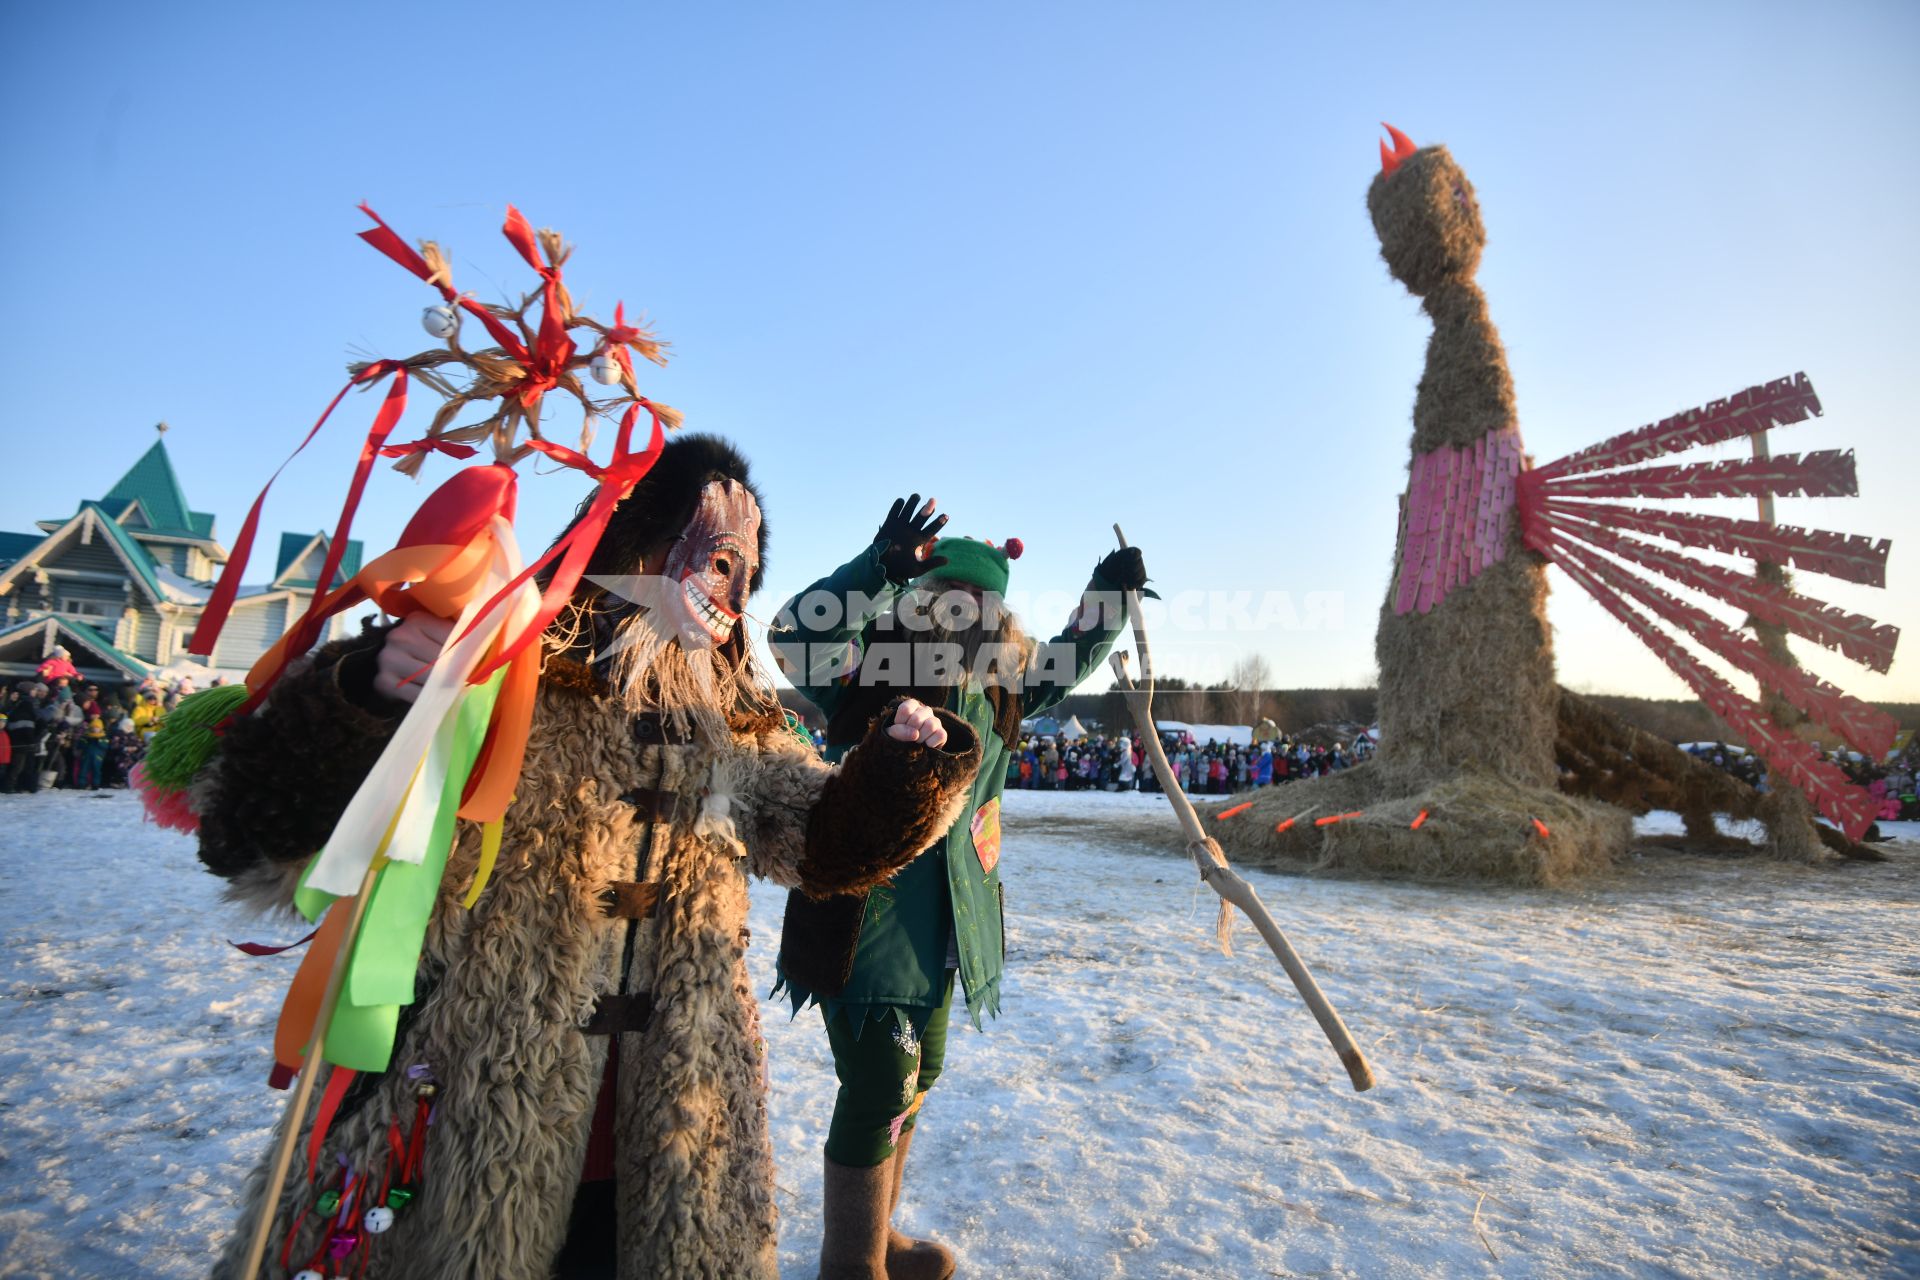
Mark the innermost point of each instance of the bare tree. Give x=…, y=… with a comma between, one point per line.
x=1247, y=683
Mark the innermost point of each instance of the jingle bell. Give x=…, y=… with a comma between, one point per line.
x=606, y=370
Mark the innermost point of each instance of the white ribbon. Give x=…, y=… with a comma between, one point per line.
x=411, y=774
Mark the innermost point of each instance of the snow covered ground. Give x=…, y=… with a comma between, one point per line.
x=1698, y=1067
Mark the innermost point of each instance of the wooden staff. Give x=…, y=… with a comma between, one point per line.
x=1212, y=863
x=297, y=1105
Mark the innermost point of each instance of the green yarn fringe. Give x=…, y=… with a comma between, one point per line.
x=187, y=740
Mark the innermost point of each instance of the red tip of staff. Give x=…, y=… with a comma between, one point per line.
x=1418, y=822
x=1234, y=812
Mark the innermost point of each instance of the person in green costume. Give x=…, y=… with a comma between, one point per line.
x=922, y=616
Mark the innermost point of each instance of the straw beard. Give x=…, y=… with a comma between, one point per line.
x=644, y=655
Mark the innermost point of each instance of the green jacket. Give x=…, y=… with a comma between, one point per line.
x=953, y=889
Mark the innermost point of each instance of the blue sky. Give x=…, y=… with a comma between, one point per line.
x=1058, y=264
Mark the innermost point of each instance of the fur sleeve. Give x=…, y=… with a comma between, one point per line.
x=848, y=828
x=283, y=776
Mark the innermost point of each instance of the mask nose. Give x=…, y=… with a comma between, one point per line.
x=737, y=589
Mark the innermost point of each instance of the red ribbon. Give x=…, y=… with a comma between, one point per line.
x=428, y=444
x=617, y=479
x=304, y=632
x=619, y=336
x=267, y=948
x=553, y=346
x=214, y=616
x=337, y=1085
x=388, y=241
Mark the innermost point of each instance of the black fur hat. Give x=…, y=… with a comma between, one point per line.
x=664, y=501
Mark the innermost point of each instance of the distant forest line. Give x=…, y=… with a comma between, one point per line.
x=1296, y=710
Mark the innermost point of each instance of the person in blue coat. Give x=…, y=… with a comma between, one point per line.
x=924, y=618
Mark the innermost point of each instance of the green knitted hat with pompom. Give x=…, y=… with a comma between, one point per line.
x=979, y=564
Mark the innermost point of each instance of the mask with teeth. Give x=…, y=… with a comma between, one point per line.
x=711, y=565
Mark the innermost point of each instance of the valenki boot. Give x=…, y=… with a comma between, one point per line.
x=853, y=1222
x=907, y=1258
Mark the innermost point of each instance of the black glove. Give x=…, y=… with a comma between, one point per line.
x=1124, y=569
x=906, y=531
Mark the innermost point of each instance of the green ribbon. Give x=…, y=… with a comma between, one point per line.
x=386, y=953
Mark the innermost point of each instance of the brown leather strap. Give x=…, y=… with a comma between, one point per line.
x=654, y=804
x=630, y=899
x=616, y=1015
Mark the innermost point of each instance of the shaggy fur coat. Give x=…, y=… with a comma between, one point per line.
x=505, y=989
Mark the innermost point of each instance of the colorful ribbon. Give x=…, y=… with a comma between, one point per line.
x=553, y=346
x=214, y=616
x=388, y=241
x=428, y=444
x=617, y=480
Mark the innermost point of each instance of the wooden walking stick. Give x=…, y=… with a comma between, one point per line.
x=296, y=1112
x=1212, y=863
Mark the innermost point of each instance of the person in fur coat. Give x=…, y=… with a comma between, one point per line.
x=584, y=1039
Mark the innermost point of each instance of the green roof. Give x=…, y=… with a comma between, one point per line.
x=136, y=554
x=15, y=545
x=94, y=640
x=152, y=483
x=292, y=544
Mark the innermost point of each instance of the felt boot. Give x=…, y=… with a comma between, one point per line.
x=907, y=1258
x=853, y=1222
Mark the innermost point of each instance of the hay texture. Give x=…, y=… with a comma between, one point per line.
x=1479, y=826
x=1468, y=699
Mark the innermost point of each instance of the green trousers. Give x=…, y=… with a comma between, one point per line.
x=885, y=1072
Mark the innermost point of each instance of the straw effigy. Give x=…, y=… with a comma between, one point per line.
x=1468, y=700
x=1486, y=769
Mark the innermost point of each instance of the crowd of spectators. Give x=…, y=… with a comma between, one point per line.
x=1891, y=782
x=63, y=731
x=1119, y=763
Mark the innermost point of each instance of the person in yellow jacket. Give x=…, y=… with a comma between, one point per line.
x=147, y=715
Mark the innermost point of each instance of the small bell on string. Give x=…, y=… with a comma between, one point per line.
x=329, y=1201
x=441, y=322
x=606, y=370
x=398, y=1197
x=308, y=1274
x=378, y=1220
x=342, y=1243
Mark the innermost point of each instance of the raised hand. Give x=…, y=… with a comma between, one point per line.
x=412, y=645
x=908, y=533
x=915, y=722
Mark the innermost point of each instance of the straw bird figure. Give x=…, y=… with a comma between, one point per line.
x=1486, y=768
